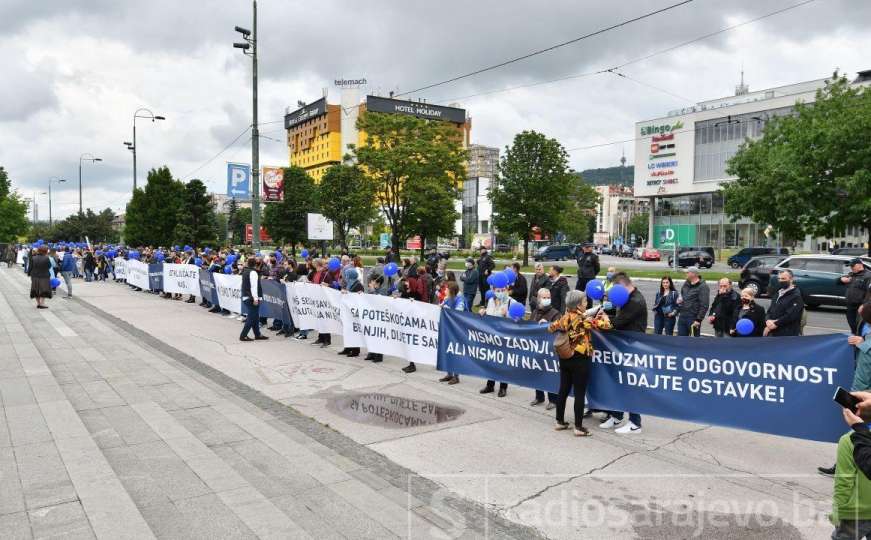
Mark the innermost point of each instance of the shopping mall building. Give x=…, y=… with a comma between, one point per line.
x=680, y=163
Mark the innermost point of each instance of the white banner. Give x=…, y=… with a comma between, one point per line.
x=120, y=268
x=181, y=279
x=315, y=307
x=137, y=274
x=229, y=290
x=394, y=326
x=20, y=258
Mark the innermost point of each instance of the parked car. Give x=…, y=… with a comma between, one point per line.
x=605, y=250
x=624, y=251
x=739, y=259
x=707, y=249
x=503, y=247
x=855, y=251
x=556, y=252
x=755, y=274
x=637, y=252
x=650, y=254
x=818, y=277
x=702, y=259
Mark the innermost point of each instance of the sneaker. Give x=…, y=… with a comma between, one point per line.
x=301, y=337
x=410, y=368
x=550, y=406
x=454, y=380
x=628, y=428
x=535, y=402
x=229, y=316
x=828, y=471
x=240, y=318
x=609, y=423
x=561, y=426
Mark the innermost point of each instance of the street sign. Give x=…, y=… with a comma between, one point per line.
x=319, y=227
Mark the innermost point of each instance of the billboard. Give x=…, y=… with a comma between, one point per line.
x=414, y=108
x=273, y=184
x=413, y=243
x=319, y=227
x=665, y=236
x=249, y=234
x=303, y=114
x=239, y=180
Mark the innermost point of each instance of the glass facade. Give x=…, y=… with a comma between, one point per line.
x=470, y=206
x=703, y=214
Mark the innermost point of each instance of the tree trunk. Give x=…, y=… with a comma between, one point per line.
x=868, y=228
x=394, y=241
x=526, y=249
x=422, y=247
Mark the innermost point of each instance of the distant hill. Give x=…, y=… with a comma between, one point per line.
x=609, y=176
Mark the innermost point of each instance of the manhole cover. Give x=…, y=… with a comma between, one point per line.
x=392, y=411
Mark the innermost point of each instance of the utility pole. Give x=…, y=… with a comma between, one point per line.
x=84, y=157
x=250, y=48
x=132, y=146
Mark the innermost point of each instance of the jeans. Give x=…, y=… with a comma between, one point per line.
x=68, y=280
x=252, y=319
x=849, y=529
x=89, y=275
x=574, y=373
x=551, y=397
x=684, y=326
x=581, y=284
x=635, y=418
x=662, y=323
x=470, y=299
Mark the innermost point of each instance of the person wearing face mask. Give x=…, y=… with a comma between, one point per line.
x=558, y=286
x=544, y=313
x=748, y=309
x=539, y=280
x=497, y=307
x=469, y=277
x=519, y=287
x=784, y=313
x=376, y=286
x=723, y=308
x=858, y=282
x=453, y=300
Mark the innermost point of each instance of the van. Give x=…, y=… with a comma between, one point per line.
x=739, y=259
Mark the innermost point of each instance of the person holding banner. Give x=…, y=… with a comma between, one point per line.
x=497, y=306
x=354, y=286
x=376, y=286
x=544, y=313
x=251, y=295
x=453, y=301
x=575, y=367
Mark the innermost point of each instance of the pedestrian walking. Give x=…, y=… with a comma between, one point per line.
x=251, y=296
x=67, y=268
x=39, y=271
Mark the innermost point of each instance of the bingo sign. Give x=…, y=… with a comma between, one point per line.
x=273, y=184
x=238, y=180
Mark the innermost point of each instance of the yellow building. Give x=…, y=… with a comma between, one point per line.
x=314, y=137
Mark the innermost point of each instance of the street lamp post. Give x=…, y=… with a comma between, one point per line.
x=250, y=48
x=51, y=181
x=84, y=157
x=132, y=147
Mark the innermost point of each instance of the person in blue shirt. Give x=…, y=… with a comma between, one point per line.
x=67, y=268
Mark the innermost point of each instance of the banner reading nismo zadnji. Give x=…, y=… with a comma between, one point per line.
x=782, y=386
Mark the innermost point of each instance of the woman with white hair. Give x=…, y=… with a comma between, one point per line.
x=574, y=356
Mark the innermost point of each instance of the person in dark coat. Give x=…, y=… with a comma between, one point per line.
x=485, y=268
x=723, y=308
x=39, y=271
x=748, y=309
x=558, y=286
x=518, y=288
x=693, y=302
x=539, y=279
x=544, y=313
x=784, y=313
x=858, y=282
x=470, y=283
x=588, y=266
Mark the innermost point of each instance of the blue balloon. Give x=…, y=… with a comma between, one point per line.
x=55, y=282
x=133, y=255
x=509, y=273
x=618, y=295
x=744, y=327
x=595, y=289
x=489, y=294
x=516, y=310
x=159, y=256
x=175, y=248
x=490, y=280
x=187, y=248
x=334, y=264
x=198, y=261
x=304, y=254
x=390, y=269
x=278, y=255
x=207, y=250
x=231, y=259
x=228, y=269
x=500, y=280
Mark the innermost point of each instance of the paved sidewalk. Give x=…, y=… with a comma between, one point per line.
x=103, y=434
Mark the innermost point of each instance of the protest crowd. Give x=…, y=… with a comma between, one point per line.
x=544, y=298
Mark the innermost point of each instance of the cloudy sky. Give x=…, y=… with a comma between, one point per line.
x=75, y=71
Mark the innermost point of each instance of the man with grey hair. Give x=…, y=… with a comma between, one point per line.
x=693, y=301
x=539, y=279
x=544, y=313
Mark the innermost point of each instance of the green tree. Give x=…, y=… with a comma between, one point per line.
x=346, y=198
x=810, y=172
x=287, y=221
x=583, y=199
x=13, y=211
x=95, y=227
x=152, y=213
x=533, y=188
x=638, y=226
x=431, y=209
x=232, y=219
x=403, y=151
x=196, y=225
x=243, y=218
x=222, y=227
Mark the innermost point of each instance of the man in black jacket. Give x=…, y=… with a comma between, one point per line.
x=558, y=286
x=588, y=266
x=858, y=283
x=539, y=279
x=723, y=308
x=631, y=317
x=784, y=313
x=251, y=295
x=693, y=302
x=485, y=268
x=518, y=288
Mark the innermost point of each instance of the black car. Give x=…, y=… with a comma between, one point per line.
x=555, y=253
x=702, y=259
x=756, y=273
x=707, y=249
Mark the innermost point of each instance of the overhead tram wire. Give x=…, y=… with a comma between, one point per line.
x=211, y=159
x=642, y=83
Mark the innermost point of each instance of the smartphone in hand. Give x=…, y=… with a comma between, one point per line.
x=846, y=400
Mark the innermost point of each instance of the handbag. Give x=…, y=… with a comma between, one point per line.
x=563, y=345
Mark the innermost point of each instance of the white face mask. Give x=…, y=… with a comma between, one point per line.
x=545, y=302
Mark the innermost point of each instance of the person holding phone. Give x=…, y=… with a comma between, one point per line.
x=851, y=501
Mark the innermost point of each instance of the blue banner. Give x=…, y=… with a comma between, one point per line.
x=238, y=180
x=207, y=287
x=155, y=276
x=782, y=386
x=274, y=302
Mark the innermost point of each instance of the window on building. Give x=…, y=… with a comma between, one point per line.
x=485, y=227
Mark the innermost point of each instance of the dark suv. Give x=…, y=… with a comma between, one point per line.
x=755, y=274
x=818, y=277
x=560, y=252
x=740, y=259
x=702, y=259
